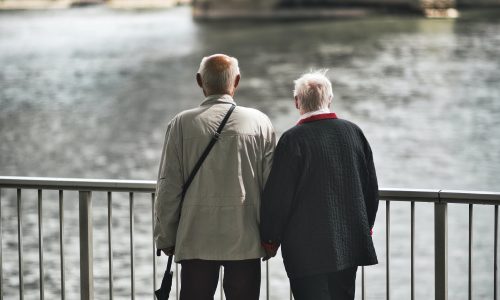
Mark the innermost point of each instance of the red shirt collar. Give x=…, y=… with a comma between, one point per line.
x=318, y=117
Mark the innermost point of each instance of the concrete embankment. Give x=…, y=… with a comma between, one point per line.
x=144, y=4
x=62, y=4
x=44, y=4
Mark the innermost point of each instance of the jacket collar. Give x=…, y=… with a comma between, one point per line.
x=324, y=110
x=318, y=117
x=213, y=99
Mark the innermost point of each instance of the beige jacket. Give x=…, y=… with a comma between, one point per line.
x=219, y=218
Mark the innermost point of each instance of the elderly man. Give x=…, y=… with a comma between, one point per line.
x=321, y=198
x=215, y=222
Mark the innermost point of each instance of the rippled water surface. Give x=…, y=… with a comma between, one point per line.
x=88, y=93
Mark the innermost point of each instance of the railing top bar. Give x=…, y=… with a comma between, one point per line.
x=448, y=196
x=77, y=184
x=82, y=184
x=483, y=195
x=419, y=195
x=472, y=197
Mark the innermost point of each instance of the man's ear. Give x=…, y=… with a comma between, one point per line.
x=198, y=79
x=296, y=102
x=237, y=80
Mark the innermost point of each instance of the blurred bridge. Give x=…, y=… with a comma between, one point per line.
x=313, y=9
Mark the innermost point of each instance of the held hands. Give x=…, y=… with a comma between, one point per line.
x=271, y=250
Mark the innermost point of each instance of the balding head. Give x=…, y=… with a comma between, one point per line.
x=218, y=74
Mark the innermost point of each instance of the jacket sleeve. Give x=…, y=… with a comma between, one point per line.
x=168, y=191
x=370, y=185
x=268, y=152
x=279, y=192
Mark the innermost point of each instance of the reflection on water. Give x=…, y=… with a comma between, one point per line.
x=88, y=93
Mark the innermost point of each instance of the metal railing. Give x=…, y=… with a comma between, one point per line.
x=85, y=187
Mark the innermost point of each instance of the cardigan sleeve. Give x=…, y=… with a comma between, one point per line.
x=279, y=192
x=370, y=185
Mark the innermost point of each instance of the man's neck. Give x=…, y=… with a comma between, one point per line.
x=208, y=94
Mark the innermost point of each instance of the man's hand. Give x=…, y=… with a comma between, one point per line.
x=168, y=251
x=271, y=250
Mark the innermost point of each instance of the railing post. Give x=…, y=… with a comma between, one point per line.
x=388, y=249
x=61, y=245
x=441, y=249
x=267, y=279
x=20, y=243
x=1, y=261
x=86, y=256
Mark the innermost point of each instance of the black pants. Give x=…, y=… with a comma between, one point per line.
x=199, y=279
x=339, y=285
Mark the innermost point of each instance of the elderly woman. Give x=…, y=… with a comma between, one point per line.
x=321, y=198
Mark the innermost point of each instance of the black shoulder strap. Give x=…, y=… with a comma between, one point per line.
x=169, y=263
x=209, y=147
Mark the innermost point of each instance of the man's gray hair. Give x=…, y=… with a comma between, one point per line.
x=220, y=78
x=314, y=90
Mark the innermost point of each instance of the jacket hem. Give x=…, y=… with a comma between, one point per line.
x=330, y=269
x=244, y=256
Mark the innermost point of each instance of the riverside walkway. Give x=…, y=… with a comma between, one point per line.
x=86, y=188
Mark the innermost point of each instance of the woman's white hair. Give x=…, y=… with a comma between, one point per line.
x=314, y=90
x=218, y=79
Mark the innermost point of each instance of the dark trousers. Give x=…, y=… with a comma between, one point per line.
x=339, y=285
x=199, y=279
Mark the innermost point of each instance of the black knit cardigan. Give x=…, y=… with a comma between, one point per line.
x=321, y=198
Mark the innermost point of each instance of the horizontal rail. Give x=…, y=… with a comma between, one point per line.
x=77, y=184
x=392, y=194
x=440, y=196
x=417, y=195
x=470, y=197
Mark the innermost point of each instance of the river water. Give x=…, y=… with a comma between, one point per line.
x=88, y=93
